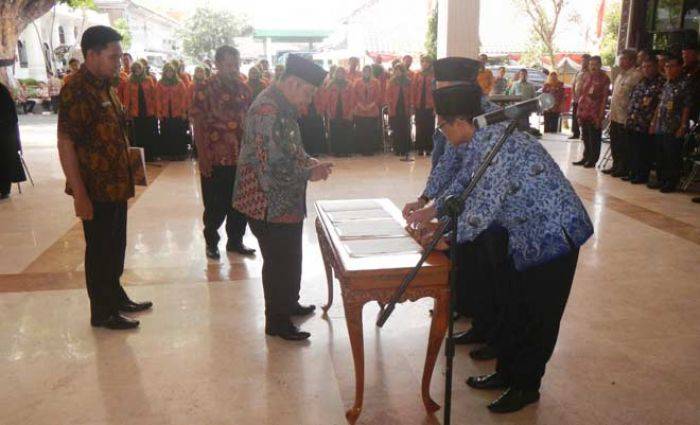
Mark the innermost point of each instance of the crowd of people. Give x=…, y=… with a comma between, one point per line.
x=654, y=100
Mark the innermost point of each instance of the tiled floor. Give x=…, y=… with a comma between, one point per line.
x=629, y=351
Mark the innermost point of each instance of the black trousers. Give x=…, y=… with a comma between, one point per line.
x=105, y=247
x=591, y=142
x=536, y=301
x=670, y=162
x=575, y=127
x=641, y=154
x=5, y=187
x=401, y=133
x=483, y=273
x=145, y=133
x=551, y=122
x=619, y=147
x=425, y=128
x=54, y=104
x=341, y=134
x=281, y=249
x=367, y=134
x=217, y=194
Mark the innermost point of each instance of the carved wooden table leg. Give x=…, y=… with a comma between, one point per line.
x=438, y=327
x=327, y=258
x=353, y=315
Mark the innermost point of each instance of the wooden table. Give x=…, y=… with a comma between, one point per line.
x=375, y=278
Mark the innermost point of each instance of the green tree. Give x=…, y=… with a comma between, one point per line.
x=123, y=28
x=611, y=30
x=545, y=16
x=16, y=15
x=209, y=29
x=431, y=33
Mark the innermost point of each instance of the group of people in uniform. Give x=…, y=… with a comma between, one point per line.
x=655, y=96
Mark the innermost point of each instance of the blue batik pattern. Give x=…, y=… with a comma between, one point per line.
x=525, y=192
x=446, y=159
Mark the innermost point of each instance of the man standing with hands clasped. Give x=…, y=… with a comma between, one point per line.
x=93, y=147
x=273, y=171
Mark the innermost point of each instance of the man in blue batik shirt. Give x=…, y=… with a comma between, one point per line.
x=477, y=293
x=525, y=192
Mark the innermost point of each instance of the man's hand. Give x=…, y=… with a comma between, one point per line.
x=205, y=166
x=421, y=217
x=83, y=207
x=410, y=207
x=427, y=238
x=313, y=162
x=321, y=171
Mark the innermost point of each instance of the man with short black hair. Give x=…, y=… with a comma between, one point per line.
x=595, y=88
x=218, y=113
x=93, y=148
x=271, y=179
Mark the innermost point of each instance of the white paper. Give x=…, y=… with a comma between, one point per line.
x=383, y=228
x=350, y=205
x=345, y=216
x=387, y=246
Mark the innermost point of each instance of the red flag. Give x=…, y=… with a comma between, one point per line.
x=601, y=18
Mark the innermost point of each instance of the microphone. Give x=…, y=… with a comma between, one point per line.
x=519, y=110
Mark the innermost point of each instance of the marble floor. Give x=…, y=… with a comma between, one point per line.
x=628, y=352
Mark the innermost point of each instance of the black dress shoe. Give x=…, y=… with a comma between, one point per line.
x=639, y=180
x=213, y=253
x=132, y=307
x=581, y=162
x=697, y=200
x=668, y=188
x=655, y=185
x=494, y=381
x=115, y=321
x=609, y=171
x=240, y=249
x=486, y=352
x=303, y=310
x=469, y=337
x=287, y=331
x=513, y=400
x=573, y=137
x=618, y=174
x=589, y=165
x=4, y=195
x=626, y=178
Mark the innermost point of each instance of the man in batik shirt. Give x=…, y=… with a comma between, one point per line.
x=591, y=111
x=218, y=111
x=643, y=102
x=273, y=171
x=671, y=125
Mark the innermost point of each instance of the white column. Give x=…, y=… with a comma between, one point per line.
x=458, y=28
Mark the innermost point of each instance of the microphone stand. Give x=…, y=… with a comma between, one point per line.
x=454, y=206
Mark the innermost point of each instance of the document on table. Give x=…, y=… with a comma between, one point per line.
x=350, y=205
x=345, y=216
x=386, y=246
x=361, y=229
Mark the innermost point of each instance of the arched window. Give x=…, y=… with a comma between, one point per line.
x=22, y=55
x=61, y=35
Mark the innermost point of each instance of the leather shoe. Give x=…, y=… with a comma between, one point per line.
x=116, y=322
x=133, y=307
x=626, y=178
x=303, y=310
x=213, y=253
x=287, y=332
x=639, y=180
x=240, y=249
x=668, y=188
x=581, y=162
x=486, y=352
x=494, y=381
x=573, y=137
x=655, y=185
x=513, y=400
x=618, y=174
x=609, y=171
x=469, y=337
x=589, y=165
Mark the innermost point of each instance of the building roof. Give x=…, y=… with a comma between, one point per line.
x=292, y=35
